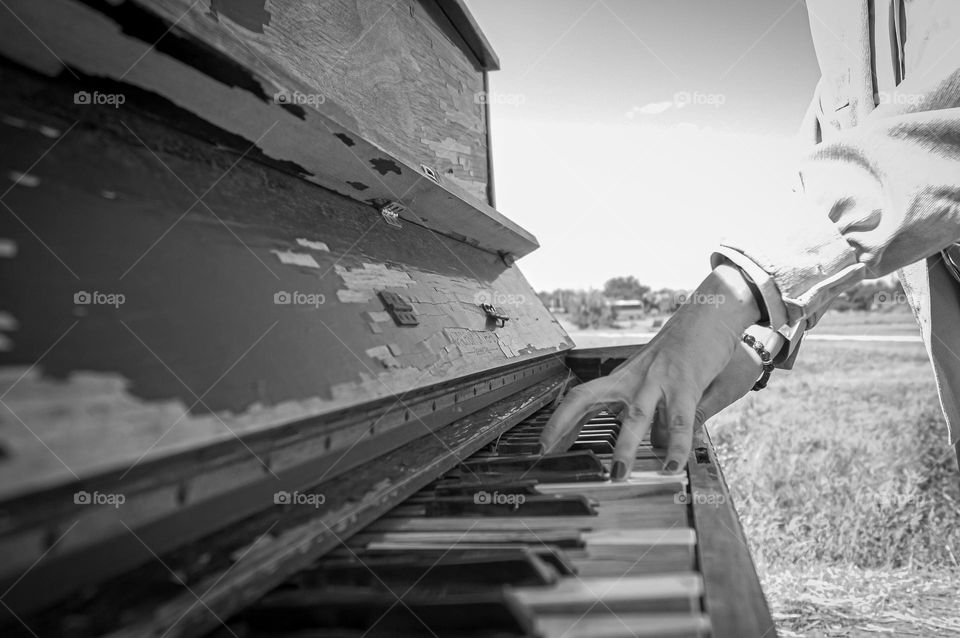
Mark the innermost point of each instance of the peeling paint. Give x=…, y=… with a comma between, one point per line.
x=18, y=122
x=94, y=406
x=384, y=165
x=15, y=122
x=448, y=149
x=353, y=296
x=360, y=186
x=473, y=342
x=384, y=356
x=346, y=139
x=296, y=259
x=23, y=179
x=379, y=316
x=8, y=321
x=315, y=245
x=364, y=281
x=8, y=248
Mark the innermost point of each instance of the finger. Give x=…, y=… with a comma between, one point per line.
x=632, y=430
x=659, y=437
x=581, y=404
x=681, y=414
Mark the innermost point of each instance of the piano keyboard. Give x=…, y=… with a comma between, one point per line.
x=512, y=544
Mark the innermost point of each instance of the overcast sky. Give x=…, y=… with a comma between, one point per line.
x=630, y=135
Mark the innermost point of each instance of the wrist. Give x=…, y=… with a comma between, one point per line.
x=733, y=295
x=771, y=339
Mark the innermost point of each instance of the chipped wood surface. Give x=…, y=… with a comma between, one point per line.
x=733, y=597
x=115, y=49
x=202, y=349
x=396, y=73
x=268, y=549
x=170, y=502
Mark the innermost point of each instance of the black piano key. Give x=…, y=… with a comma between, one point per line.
x=469, y=487
x=381, y=613
x=456, y=570
x=565, y=463
x=597, y=447
x=496, y=503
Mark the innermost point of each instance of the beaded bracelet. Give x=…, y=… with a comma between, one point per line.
x=765, y=358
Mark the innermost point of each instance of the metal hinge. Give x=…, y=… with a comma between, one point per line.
x=399, y=308
x=391, y=213
x=431, y=173
x=498, y=316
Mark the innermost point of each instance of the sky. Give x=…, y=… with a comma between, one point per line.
x=631, y=136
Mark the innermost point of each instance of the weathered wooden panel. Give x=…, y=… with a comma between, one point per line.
x=386, y=70
x=241, y=564
x=249, y=297
x=113, y=50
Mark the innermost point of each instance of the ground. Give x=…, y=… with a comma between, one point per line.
x=847, y=489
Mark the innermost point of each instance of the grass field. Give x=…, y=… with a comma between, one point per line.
x=849, y=493
x=898, y=322
x=846, y=487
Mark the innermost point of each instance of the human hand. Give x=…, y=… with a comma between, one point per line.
x=730, y=385
x=673, y=370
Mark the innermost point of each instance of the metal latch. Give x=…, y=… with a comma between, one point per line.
x=399, y=308
x=499, y=317
x=430, y=173
x=391, y=213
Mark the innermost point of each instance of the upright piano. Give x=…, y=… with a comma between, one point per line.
x=268, y=366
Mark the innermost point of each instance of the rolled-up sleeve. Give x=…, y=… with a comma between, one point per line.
x=872, y=199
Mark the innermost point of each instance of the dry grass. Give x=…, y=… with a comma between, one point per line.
x=849, y=492
x=848, y=601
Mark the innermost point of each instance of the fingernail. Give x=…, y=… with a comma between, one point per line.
x=672, y=466
x=618, y=471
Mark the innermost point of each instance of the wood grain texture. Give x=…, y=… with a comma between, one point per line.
x=653, y=593
x=131, y=50
x=200, y=351
x=355, y=500
x=388, y=71
x=623, y=625
x=733, y=597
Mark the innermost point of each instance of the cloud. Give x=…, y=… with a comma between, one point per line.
x=653, y=108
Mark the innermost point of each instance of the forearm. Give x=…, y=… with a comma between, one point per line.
x=727, y=292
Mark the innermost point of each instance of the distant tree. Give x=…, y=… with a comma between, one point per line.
x=625, y=288
x=590, y=310
x=876, y=296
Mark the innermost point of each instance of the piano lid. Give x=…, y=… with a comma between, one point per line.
x=194, y=284
x=380, y=103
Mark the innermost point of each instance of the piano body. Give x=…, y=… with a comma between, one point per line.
x=268, y=366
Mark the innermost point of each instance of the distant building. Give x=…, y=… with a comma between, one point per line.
x=628, y=309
